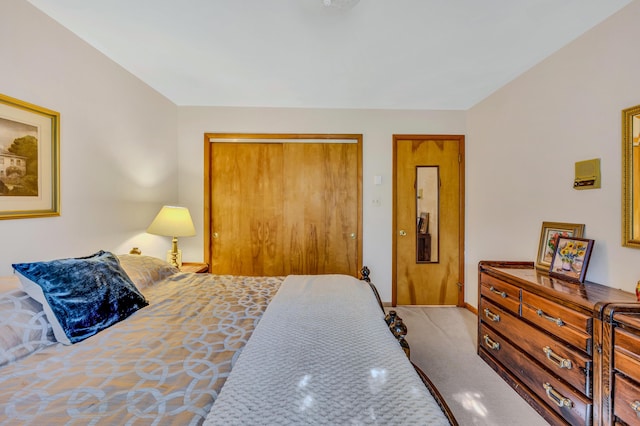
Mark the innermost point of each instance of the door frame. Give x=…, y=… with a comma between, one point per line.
x=394, y=265
x=210, y=138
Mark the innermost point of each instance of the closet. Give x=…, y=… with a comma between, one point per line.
x=279, y=204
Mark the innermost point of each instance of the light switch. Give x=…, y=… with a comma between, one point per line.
x=377, y=180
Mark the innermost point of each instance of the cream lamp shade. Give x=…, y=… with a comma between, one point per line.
x=173, y=221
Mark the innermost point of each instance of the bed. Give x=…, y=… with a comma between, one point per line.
x=190, y=349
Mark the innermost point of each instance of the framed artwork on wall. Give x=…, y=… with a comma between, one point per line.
x=631, y=177
x=549, y=235
x=29, y=160
x=571, y=259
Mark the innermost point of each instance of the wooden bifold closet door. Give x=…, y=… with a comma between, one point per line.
x=284, y=208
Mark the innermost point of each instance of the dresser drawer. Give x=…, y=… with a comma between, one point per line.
x=566, y=324
x=570, y=365
x=500, y=292
x=626, y=357
x=574, y=407
x=626, y=400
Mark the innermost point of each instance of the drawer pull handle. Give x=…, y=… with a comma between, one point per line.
x=493, y=317
x=558, y=321
x=491, y=344
x=635, y=406
x=553, y=395
x=498, y=292
x=557, y=360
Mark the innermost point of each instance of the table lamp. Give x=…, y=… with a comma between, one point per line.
x=173, y=221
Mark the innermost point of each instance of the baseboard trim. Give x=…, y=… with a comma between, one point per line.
x=471, y=308
x=466, y=306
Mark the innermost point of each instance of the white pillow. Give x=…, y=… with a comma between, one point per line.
x=24, y=328
x=145, y=271
x=35, y=291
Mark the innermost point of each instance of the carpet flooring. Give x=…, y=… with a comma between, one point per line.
x=443, y=345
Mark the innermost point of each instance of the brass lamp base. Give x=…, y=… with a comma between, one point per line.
x=174, y=256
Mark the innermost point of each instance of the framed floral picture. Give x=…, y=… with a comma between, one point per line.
x=571, y=259
x=549, y=235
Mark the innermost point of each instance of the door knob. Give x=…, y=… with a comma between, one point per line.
x=353, y=236
x=403, y=233
x=215, y=235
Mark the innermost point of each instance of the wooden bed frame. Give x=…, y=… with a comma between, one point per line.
x=365, y=272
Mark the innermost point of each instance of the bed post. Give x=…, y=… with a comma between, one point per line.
x=365, y=274
x=365, y=277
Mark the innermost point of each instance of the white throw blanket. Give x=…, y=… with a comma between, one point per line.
x=322, y=354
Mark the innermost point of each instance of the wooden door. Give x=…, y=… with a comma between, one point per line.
x=437, y=282
x=279, y=208
x=320, y=208
x=247, y=189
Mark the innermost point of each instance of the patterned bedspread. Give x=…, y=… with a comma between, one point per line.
x=163, y=365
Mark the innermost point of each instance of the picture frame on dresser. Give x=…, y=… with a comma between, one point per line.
x=549, y=235
x=29, y=160
x=571, y=259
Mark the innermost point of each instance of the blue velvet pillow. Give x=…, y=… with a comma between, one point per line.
x=81, y=296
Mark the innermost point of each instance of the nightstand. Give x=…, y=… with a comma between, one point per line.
x=197, y=267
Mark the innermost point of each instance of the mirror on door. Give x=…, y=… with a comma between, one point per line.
x=427, y=210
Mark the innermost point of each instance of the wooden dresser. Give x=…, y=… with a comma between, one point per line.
x=544, y=337
x=621, y=365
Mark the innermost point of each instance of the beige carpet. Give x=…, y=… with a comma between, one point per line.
x=443, y=345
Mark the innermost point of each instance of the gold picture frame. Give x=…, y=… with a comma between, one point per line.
x=631, y=178
x=29, y=160
x=549, y=235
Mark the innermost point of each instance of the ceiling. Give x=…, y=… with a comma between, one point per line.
x=381, y=54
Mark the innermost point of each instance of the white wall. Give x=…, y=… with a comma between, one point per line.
x=522, y=144
x=377, y=128
x=117, y=142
